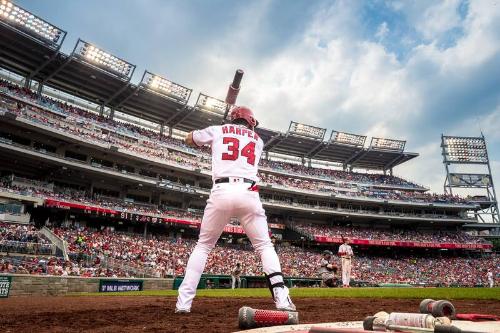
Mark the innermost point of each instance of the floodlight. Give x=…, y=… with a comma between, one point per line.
x=347, y=138
x=211, y=104
x=307, y=130
x=95, y=56
x=162, y=85
x=388, y=144
x=22, y=19
x=465, y=149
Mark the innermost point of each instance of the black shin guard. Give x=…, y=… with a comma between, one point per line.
x=274, y=285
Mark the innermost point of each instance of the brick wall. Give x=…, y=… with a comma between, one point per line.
x=26, y=285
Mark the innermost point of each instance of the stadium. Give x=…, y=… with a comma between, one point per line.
x=99, y=193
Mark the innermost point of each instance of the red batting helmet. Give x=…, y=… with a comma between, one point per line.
x=242, y=112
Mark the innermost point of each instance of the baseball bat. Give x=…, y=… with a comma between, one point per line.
x=336, y=330
x=233, y=90
x=369, y=321
x=250, y=318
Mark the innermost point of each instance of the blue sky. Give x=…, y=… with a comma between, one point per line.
x=398, y=69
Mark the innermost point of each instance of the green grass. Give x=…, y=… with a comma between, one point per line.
x=420, y=293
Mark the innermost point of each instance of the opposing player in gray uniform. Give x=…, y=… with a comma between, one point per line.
x=328, y=270
x=235, y=276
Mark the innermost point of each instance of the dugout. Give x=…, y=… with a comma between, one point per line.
x=225, y=281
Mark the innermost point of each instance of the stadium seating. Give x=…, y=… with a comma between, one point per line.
x=19, y=238
x=164, y=257
x=150, y=143
x=433, y=236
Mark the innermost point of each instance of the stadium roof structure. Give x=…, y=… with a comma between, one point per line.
x=31, y=46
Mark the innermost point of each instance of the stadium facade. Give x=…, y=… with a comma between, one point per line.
x=81, y=143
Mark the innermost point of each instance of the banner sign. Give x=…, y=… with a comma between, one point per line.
x=106, y=286
x=106, y=212
x=5, y=284
x=335, y=240
x=466, y=179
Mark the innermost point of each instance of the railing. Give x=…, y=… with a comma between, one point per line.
x=115, y=265
x=58, y=242
x=8, y=246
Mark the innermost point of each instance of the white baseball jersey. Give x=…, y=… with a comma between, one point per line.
x=345, y=248
x=490, y=275
x=236, y=150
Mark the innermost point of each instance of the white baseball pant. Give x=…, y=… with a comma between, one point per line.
x=236, y=282
x=229, y=200
x=346, y=271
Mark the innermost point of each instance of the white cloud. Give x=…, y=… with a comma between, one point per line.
x=382, y=31
x=333, y=77
x=430, y=18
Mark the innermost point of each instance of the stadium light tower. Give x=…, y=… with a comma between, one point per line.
x=388, y=144
x=165, y=87
x=30, y=24
x=345, y=138
x=211, y=104
x=95, y=56
x=468, y=152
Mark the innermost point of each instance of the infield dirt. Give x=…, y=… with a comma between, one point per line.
x=156, y=314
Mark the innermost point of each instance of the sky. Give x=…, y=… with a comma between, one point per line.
x=408, y=70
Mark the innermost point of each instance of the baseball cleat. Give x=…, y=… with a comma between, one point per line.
x=182, y=310
x=290, y=307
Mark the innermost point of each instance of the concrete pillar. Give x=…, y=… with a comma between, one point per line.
x=101, y=110
x=162, y=128
x=27, y=82
x=170, y=130
x=112, y=114
x=39, y=90
x=145, y=230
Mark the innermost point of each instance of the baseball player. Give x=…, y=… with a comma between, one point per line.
x=328, y=270
x=489, y=276
x=346, y=254
x=236, y=151
x=235, y=276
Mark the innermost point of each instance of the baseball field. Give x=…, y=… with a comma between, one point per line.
x=216, y=310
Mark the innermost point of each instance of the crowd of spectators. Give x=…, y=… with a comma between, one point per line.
x=21, y=238
x=340, y=175
x=100, y=201
x=403, y=235
x=94, y=128
x=352, y=190
x=161, y=257
x=57, y=266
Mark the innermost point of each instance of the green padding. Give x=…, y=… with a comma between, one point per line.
x=224, y=282
x=395, y=285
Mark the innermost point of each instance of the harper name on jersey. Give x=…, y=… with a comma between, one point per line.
x=239, y=130
x=236, y=150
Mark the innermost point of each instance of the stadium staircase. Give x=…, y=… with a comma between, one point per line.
x=291, y=225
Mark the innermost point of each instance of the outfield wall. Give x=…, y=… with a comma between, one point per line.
x=28, y=285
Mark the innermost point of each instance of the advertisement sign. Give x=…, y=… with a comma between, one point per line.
x=338, y=240
x=466, y=179
x=5, y=284
x=106, y=286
